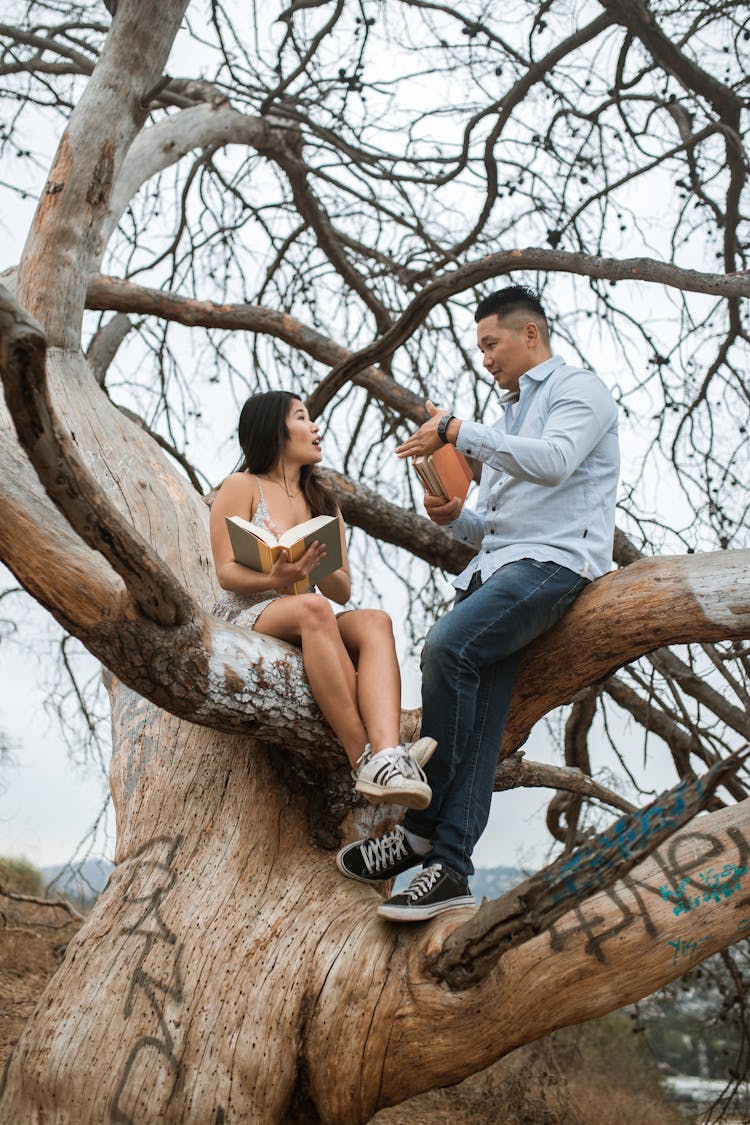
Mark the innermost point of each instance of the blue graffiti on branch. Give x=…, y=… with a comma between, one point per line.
x=629, y=902
x=717, y=886
x=628, y=838
x=687, y=948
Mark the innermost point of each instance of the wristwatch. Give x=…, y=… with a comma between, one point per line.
x=443, y=427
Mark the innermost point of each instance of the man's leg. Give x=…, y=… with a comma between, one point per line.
x=469, y=666
x=440, y=887
x=484, y=629
x=466, y=808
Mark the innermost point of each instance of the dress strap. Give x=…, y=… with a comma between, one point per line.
x=262, y=516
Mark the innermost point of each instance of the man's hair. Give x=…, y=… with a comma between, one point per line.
x=512, y=300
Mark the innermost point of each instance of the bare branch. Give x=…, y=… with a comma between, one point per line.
x=68, y=482
x=495, y=265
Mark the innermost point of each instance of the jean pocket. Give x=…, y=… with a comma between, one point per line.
x=548, y=567
x=565, y=601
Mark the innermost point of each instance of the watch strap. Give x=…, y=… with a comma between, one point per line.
x=442, y=430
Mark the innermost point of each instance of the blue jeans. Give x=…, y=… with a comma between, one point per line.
x=469, y=663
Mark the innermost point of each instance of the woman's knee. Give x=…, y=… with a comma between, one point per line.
x=373, y=622
x=314, y=610
x=364, y=626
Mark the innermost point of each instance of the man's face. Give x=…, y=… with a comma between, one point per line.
x=507, y=352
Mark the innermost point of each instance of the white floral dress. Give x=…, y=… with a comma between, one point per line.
x=245, y=609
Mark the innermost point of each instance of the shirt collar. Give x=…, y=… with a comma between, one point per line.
x=538, y=373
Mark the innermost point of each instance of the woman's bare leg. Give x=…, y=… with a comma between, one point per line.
x=308, y=620
x=368, y=637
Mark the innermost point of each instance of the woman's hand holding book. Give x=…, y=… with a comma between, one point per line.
x=285, y=574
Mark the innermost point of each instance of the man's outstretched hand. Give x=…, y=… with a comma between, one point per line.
x=425, y=440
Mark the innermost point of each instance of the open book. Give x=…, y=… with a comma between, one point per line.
x=258, y=548
x=445, y=473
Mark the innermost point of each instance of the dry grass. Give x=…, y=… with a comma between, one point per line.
x=592, y=1075
x=32, y=943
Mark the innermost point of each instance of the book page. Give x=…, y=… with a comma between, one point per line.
x=305, y=530
x=261, y=533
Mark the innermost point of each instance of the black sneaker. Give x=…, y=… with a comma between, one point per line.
x=431, y=892
x=378, y=857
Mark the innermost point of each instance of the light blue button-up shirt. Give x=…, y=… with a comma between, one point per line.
x=549, y=475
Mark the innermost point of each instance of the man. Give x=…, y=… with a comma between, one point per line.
x=543, y=526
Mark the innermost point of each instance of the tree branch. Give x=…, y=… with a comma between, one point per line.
x=669, y=600
x=60, y=903
x=494, y=265
x=66, y=235
x=475, y=948
x=517, y=772
x=111, y=294
x=53, y=453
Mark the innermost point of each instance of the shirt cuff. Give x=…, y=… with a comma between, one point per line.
x=476, y=440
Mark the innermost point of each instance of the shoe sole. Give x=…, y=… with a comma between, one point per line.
x=417, y=796
x=423, y=913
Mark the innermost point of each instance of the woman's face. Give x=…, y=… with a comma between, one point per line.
x=303, y=446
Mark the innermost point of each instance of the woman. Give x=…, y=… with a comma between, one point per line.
x=349, y=658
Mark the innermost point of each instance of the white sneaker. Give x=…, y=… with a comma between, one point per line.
x=393, y=776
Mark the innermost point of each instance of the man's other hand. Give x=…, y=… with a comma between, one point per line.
x=442, y=511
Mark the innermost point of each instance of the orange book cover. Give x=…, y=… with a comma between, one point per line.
x=446, y=473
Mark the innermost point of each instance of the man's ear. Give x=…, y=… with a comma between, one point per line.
x=531, y=333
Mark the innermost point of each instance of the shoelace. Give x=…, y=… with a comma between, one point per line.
x=397, y=764
x=384, y=851
x=401, y=765
x=424, y=882
x=410, y=767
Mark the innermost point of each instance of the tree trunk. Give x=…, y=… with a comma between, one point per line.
x=229, y=973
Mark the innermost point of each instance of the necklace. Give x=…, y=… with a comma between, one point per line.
x=282, y=484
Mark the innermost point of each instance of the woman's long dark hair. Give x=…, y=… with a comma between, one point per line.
x=262, y=432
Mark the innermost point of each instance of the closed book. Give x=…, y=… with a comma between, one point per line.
x=257, y=548
x=445, y=473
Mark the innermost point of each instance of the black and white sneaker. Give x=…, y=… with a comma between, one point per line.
x=393, y=776
x=431, y=892
x=378, y=857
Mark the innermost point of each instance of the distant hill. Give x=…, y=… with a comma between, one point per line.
x=486, y=882
x=83, y=882
x=491, y=882
x=86, y=881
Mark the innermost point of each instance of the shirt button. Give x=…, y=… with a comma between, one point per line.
x=494, y=509
x=469, y=452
